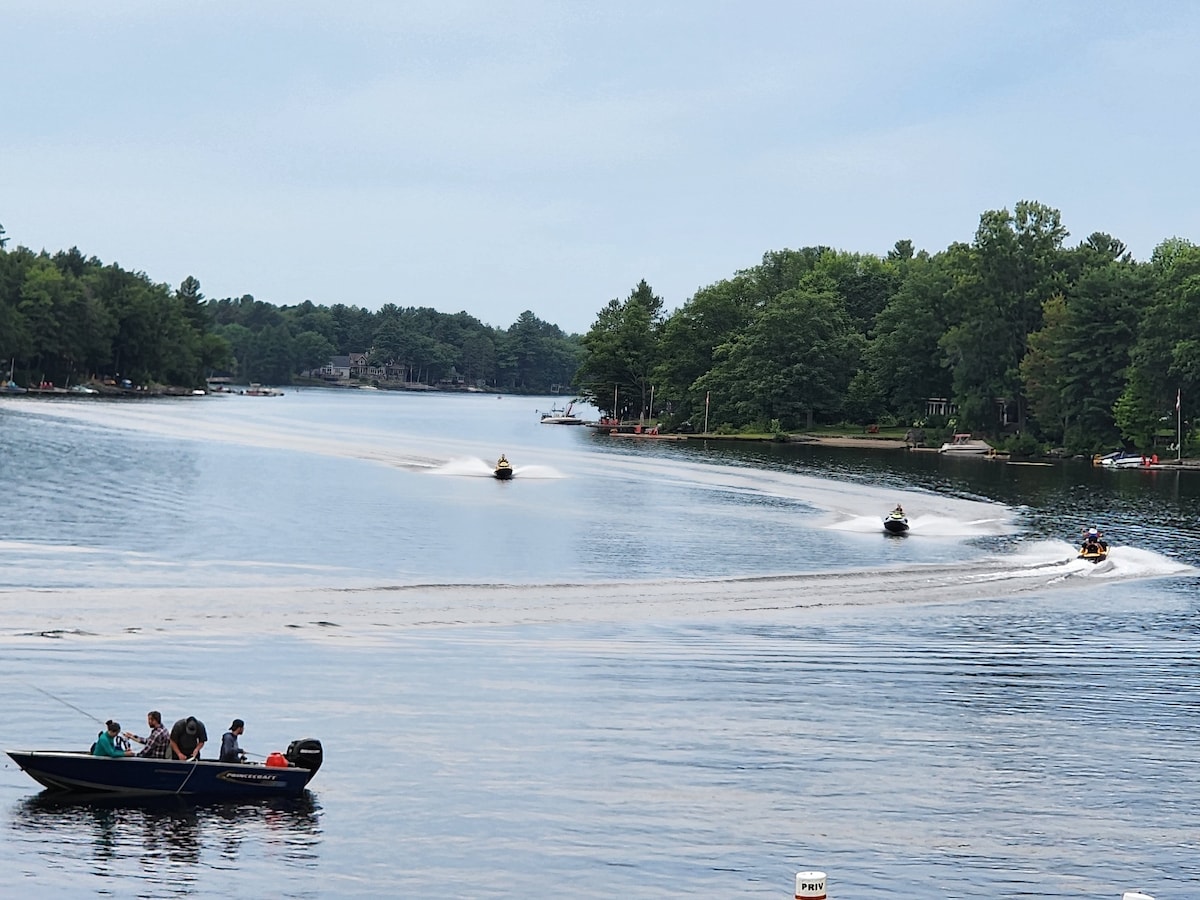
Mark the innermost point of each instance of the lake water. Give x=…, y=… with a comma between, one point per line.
x=643, y=669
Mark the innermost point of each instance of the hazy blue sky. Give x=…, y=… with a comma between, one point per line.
x=495, y=157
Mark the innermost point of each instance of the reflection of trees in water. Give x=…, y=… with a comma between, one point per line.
x=164, y=839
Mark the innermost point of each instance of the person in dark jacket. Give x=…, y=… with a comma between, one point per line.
x=230, y=751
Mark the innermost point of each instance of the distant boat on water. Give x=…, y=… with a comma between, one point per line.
x=10, y=386
x=562, y=416
x=964, y=443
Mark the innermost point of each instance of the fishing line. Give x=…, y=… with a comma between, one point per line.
x=83, y=712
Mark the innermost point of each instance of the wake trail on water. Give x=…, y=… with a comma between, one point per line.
x=150, y=594
x=265, y=426
x=473, y=467
x=360, y=611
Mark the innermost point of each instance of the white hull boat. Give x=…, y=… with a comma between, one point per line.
x=964, y=443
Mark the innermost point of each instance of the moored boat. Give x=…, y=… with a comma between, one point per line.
x=964, y=443
x=8, y=386
x=257, y=390
x=80, y=772
x=1123, y=460
x=562, y=416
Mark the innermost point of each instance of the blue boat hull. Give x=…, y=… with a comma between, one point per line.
x=78, y=772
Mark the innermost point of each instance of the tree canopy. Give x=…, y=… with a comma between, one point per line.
x=67, y=317
x=1014, y=333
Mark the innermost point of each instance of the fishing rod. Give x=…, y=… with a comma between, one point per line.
x=82, y=712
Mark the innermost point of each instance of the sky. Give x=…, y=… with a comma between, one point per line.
x=497, y=157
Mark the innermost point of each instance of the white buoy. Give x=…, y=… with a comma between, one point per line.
x=810, y=886
x=1135, y=895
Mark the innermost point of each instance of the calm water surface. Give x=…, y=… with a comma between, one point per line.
x=636, y=670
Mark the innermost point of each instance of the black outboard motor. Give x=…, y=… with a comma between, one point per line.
x=306, y=753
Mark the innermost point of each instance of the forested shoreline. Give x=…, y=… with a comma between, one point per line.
x=1028, y=340
x=66, y=318
x=1034, y=343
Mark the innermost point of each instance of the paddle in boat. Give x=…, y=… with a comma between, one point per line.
x=1095, y=548
x=80, y=772
x=504, y=469
x=896, y=522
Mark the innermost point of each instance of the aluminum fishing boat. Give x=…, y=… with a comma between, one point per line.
x=79, y=772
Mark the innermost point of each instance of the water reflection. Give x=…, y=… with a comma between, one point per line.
x=138, y=837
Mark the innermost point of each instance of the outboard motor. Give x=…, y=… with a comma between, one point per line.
x=306, y=753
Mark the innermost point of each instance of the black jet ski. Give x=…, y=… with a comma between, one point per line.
x=895, y=522
x=503, y=470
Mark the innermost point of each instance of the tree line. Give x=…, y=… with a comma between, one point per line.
x=1031, y=341
x=66, y=318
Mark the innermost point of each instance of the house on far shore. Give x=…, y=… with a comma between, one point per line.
x=342, y=368
x=354, y=367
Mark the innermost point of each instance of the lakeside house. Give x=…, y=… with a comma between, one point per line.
x=354, y=367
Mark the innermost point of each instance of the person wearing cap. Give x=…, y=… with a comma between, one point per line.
x=188, y=738
x=106, y=742
x=230, y=751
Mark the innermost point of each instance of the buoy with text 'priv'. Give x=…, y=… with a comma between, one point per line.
x=1135, y=895
x=810, y=886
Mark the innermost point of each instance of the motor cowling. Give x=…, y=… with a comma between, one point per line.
x=306, y=753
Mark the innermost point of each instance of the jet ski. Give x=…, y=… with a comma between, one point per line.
x=895, y=522
x=1094, y=548
x=504, y=469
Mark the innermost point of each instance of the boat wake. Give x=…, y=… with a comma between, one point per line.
x=932, y=525
x=360, y=610
x=473, y=467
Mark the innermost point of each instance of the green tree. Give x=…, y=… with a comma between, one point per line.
x=1011, y=272
x=690, y=336
x=1165, y=359
x=1075, y=368
x=621, y=354
x=903, y=360
x=792, y=363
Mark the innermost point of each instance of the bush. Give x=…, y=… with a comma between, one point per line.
x=1022, y=445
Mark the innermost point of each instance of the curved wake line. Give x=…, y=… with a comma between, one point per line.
x=360, y=612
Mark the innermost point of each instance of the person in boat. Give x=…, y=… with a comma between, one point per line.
x=502, y=462
x=230, y=751
x=898, y=512
x=157, y=742
x=1093, y=542
x=106, y=742
x=188, y=737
